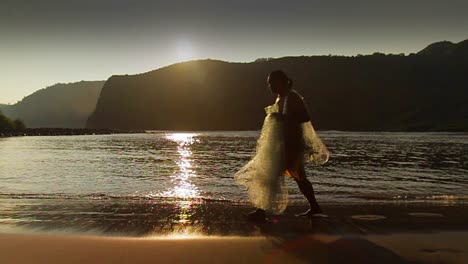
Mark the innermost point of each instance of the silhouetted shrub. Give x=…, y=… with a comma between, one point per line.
x=6, y=123
x=19, y=124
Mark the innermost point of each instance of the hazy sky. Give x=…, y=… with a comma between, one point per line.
x=45, y=42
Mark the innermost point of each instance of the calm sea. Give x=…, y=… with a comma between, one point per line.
x=363, y=167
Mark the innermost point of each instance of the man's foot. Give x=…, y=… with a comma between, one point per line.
x=258, y=215
x=311, y=213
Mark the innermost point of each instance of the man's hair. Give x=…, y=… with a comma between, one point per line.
x=282, y=76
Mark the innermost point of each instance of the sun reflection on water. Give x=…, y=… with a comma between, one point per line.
x=187, y=195
x=183, y=186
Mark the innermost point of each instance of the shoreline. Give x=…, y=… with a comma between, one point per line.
x=64, y=132
x=104, y=131
x=138, y=218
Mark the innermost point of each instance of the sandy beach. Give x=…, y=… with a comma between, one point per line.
x=448, y=247
x=216, y=232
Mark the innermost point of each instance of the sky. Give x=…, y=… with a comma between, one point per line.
x=47, y=42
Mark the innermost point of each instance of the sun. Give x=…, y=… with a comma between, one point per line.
x=184, y=50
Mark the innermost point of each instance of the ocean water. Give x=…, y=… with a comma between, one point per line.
x=363, y=167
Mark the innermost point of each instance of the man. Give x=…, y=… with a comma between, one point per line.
x=293, y=112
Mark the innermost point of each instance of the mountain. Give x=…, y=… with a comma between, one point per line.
x=446, y=48
x=439, y=48
x=60, y=105
x=427, y=91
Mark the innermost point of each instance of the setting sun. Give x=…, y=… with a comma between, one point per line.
x=184, y=50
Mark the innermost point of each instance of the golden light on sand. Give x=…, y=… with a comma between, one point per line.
x=187, y=234
x=178, y=236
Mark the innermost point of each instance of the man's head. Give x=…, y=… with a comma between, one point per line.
x=279, y=82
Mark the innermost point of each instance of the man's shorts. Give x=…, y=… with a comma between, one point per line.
x=295, y=165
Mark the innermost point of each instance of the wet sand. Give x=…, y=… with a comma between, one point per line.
x=139, y=217
x=204, y=231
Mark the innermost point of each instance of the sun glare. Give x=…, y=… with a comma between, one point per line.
x=184, y=51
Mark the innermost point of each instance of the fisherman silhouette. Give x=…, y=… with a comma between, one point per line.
x=286, y=142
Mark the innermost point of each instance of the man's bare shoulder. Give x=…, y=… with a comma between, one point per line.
x=295, y=98
x=298, y=107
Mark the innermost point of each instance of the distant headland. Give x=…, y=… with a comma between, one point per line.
x=424, y=91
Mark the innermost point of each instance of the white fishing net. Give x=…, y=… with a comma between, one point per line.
x=263, y=176
x=315, y=152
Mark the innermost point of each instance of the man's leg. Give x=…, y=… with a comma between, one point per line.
x=308, y=191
